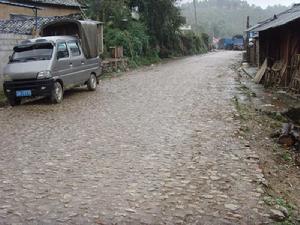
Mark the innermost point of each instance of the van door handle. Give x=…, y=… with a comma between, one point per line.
x=71, y=64
x=82, y=63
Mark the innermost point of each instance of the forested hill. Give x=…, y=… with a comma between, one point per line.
x=225, y=18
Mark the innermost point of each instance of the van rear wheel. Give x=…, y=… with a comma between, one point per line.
x=92, y=83
x=57, y=93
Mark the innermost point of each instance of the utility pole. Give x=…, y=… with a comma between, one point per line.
x=248, y=22
x=195, y=11
x=247, y=40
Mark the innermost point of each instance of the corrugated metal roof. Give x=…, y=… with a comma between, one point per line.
x=279, y=19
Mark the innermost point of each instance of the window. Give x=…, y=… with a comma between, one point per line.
x=33, y=52
x=74, y=48
x=62, y=51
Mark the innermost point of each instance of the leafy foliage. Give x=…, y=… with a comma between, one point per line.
x=192, y=43
x=163, y=20
x=134, y=39
x=155, y=34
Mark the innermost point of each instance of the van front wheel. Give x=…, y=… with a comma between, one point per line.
x=57, y=93
x=92, y=83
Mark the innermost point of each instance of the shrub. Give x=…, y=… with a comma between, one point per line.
x=134, y=39
x=191, y=43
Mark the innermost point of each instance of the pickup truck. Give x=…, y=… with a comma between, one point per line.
x=66, y=55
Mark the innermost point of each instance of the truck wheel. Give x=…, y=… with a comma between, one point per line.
x=14, y=101
x=92, y=83
x=57, y=93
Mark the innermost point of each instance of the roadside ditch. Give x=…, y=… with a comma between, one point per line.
x=263, y=113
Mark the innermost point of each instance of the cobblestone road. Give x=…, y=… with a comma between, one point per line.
x=154, y=146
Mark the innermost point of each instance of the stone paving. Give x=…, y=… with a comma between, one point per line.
x=154, y=146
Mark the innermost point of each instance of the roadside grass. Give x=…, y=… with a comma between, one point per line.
x=243, y=111
x=143, y=61
x=280, y=202
x=243, y=88
x=287, y=156
x=133, y=64
x=2, y=98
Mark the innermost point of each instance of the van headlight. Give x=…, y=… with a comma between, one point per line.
x=44, y=74
x=7, y=77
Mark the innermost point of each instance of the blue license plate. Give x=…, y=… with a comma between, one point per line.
x=24, y=93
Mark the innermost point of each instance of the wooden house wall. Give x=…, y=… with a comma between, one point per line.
x=280, y=43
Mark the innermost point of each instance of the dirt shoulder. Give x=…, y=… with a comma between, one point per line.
x=277, y=163
x=2, y=98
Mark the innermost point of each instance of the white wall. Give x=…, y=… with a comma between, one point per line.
x=7, y=42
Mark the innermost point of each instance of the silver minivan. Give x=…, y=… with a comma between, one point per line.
x=49, y=65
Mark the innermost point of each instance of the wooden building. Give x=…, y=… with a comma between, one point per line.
x=278, y=43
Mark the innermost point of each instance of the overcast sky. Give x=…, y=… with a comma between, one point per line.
x=265, y=3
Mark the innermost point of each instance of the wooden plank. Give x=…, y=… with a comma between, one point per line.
x=261, y=72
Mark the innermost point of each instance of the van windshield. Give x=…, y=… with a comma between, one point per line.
x=35, y=52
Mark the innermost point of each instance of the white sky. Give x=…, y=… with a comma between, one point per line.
x=265, y=3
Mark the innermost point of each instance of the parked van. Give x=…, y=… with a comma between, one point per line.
x=49, y=65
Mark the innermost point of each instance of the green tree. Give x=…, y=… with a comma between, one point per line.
x=114, y=12
x=163, y=19
x=157, y=31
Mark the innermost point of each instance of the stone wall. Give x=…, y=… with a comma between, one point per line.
x=6, y=10
x=7, y=42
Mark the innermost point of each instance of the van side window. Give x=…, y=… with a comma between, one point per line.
x=74, y=48
x=62, y=51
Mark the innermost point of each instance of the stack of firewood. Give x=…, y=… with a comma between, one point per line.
x=295, y=74
x=276, y=75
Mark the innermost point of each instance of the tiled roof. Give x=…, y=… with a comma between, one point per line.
x=59, y=2
x=279, y=19
x=70, y=3
x=18, y=4
x=28, y=25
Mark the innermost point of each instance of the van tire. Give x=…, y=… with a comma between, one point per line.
x=14, y=101
x=57, y=94
x=92, y=83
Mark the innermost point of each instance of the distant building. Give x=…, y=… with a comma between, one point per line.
x=135, y=13
x=185, y=28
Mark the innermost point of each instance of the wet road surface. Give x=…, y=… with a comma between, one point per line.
x=154, y=146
